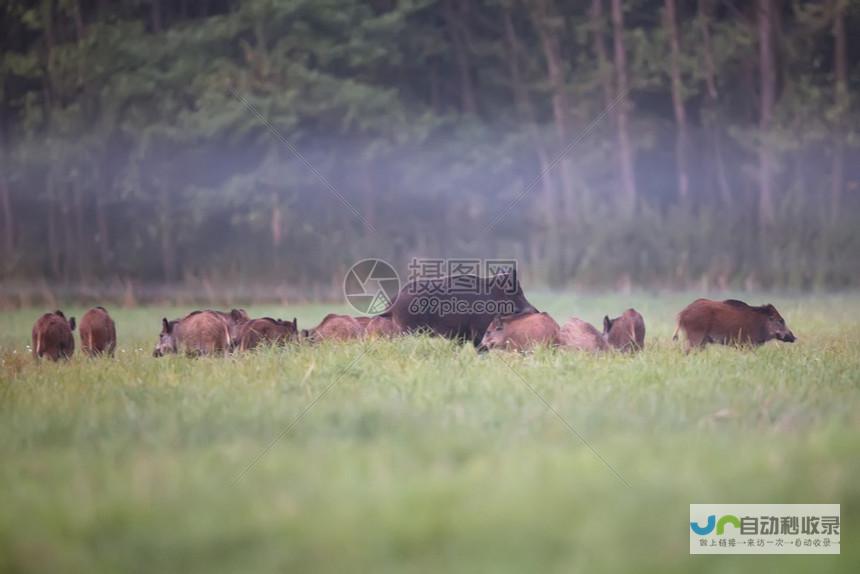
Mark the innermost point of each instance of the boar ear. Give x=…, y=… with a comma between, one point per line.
x=295, y=324
x=72, y=324
x=607, y=324
x=166, y=327
x=59, y=314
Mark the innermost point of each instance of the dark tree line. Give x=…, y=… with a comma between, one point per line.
x=155, y=140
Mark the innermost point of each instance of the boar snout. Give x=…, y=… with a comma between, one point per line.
x=789, y=337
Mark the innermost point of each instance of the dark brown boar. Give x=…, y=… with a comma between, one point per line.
x=266, y=331
x=198, y=333
x=625, y=333
x=97, y=332
x=520, y=332
x=381, y=327
x=334, y=327
x=582, y=336
x=52, y=336
x=458, y=307
x=730, y=322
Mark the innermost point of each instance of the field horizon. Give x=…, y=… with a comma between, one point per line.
x=419, y=454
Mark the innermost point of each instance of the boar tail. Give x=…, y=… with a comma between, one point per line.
x=677, y=329
x=39, y=344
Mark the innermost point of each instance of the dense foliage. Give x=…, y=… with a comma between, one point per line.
x=169, y=141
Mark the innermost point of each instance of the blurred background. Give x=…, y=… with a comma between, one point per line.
x=255, y=149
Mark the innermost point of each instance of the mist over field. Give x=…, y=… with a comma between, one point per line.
x=225, y=177
x=149, y=145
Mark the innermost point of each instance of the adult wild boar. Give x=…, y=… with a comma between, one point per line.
x=198, y=333
x=520, y=332
x=731, y=322
x=334, y=327
x=458, y=307
x=267, y=331
x=52, y=336
x=381, y=327
x=98, y=333
x=582, y=336
x=625, y=333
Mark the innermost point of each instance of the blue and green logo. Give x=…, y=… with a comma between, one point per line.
x=713, y=522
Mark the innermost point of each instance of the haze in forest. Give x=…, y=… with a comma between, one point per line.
x=228, y=143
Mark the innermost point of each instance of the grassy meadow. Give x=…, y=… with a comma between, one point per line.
x=418, y=455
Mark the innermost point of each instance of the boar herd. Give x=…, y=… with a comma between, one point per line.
x=467, y=318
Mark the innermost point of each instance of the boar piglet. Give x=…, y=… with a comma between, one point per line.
x=581, y=336
x=520, y=332
x=384, y=327
x=98, y=333
x=198, y=333
x=267, y=331
x=334, y=328
x=52, y=336
x=625, y=333
x=730, y=322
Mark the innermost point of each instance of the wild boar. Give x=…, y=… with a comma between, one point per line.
x=458, y=307
x=520, y=332
x=625, y=333
x=363, y=320
x=198, y=333
x=235, y=318
x=381, y=327
x=97, y=332
x=334, y=328
x=582, y=336
x=730, y=322
x=52, y=336
x=266, y=331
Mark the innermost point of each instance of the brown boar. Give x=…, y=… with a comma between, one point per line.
x=235, y=318
x=381, y=327
x=520, y=332
x=198, y=333
x=730, y=322
x=625, y=333
x=334, y=328
x=52, y=336
x=266, y=331
x=458, y=307
x=97, y=332
x=582, y=336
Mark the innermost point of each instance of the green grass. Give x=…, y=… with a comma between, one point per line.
x=423, y=456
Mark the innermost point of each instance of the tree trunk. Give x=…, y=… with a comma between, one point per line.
x=841, y=103
x=712, y=114
x=545, y=12
x=767, y=78
x=168, y=255
x=8, y=226
x=625, y=150
x=524, y=106
x=597, y=25
x=681, y=140
x=457, y=29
